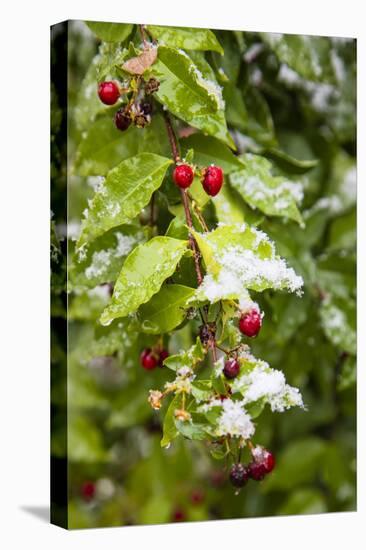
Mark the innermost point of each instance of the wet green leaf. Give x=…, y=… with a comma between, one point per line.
x=110, y=32
x=126, y=190
x=273, y=195
x=142, y=275
x=104, y=257
x=166, y=309
x=169, y=428
x=188, y=95
x=187, y=38
x=208, y=150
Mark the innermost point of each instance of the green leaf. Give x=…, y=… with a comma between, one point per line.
x=237, y=258
x=166, y=309
x=127, y=189
x=273, y=195
x=88, y=104
x=192, y=430
x=288, y=163
x=228, y=209
x=104, y=257
x=348, y=374
x=201, y=389
x=188, y=38
x=300, y=462
x=309, y=56
x=110, y=61
x=103, y=147
x=342, y=232
x=84, y=441
x=304, y=501
x=338, y=318
x=208, y=150
x=87, y=306
x=188, y=95
x=110, y=32
x=142, y=275
x=169, y=428
x=188, y=358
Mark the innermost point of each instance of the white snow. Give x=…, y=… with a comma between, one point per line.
x=234, y=420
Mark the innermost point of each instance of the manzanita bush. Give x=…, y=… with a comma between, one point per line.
x=200, y=226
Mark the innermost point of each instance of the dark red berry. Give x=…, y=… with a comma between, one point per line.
x=183, y=175
x=250, y=323
x=213, y=179
x=179, y=515
x=197, y=496
x=148, y=359
x=88, y=490
x=239, y=475
x=122, y=119
x=263, y=463
x=231, y=368
x=262, y=456
x=163, y=354
x=257, y=470
x=108, y=92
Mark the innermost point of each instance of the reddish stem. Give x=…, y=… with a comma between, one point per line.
x=192, y=242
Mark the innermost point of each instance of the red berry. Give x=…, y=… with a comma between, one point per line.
x=88, y=490
x=267, y=459
x=250, y=323
x=183, y=175
x=148, y=359
x=179, y=515
x=213, y=179
x=231, y=368
x=239, y=475
x=162, y=356
x=197, y=496
x=257, y=470
x=263, y=463
x=122, y=119
x=108, y=92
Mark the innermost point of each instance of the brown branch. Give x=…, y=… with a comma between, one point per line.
x=192, y=242
x=143, y=35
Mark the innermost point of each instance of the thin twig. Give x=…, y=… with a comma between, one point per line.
x=192, y=242
x=143, y=35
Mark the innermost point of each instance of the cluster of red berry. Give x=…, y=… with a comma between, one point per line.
x=212, y=178
x=249, y=324
x=262, y=464
x=136, y=112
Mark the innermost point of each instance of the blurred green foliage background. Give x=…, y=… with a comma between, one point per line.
x=118, y=473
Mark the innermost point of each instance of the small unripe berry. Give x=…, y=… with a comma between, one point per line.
x=231, y=368
x=148, y=359
x=239, y=475
x=108, y=92
x=122, y=119
x=250, y=323
x=183, y=175
x=213, y=179
x=163, y=354
x=88, y=490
